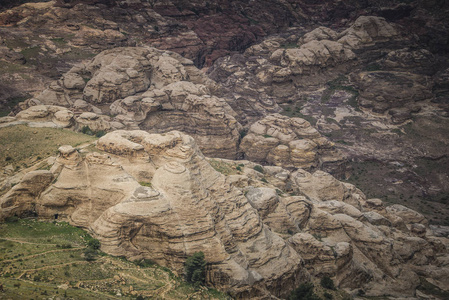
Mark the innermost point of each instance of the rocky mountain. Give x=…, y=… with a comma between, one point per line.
x=263, y=230
x=228, y=126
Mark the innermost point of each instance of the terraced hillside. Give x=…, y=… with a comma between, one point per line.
x=41, y=260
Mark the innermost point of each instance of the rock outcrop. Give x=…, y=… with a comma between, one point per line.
x=258, y=240
x=145, y=88
x=289, y=143
x=189, y=207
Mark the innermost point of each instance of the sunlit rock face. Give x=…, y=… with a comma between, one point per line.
x=155, y=196
x=150, y=89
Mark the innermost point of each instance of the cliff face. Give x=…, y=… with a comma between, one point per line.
x=257, y=239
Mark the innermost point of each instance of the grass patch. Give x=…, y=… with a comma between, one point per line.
x=11, y=103
x=147, y=184
x=31, y=53
x=7, y=67
x=289, y=46
x=32, y=266
x=59, y=41
x=223, y=167
x=293, y=111
x=16, y=43
x=22, y=145
x=341, y=84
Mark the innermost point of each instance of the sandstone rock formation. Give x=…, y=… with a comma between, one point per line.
x=184, y=211
x=290, y=143
x=150, y=89
x=259, y=240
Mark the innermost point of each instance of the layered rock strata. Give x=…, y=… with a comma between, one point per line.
x=258, y=240
x=290, y=143
x=145, y=88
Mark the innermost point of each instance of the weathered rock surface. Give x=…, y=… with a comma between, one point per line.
x=258, y=240
x=290, y=143
x=367, y=31
x=184, y=211
x=145, y=88
x=383, y=91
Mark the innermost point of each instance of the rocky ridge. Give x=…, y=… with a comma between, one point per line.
x=260, y=237
x=360, y=83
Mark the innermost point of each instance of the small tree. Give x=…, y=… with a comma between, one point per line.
x=94, y=244
x=195, y=268
x=304, y=292
x=327, y=283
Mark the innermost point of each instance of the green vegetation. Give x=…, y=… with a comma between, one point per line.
x=293, y=111
x=259, y=169
x=59, y=41
x=16, y=42
x=224, y=167
x=147, y=184
x=327, y=283
x=304, y=292
x=40, y=260
x=373, y=67
x=431, y=289
x=7, y=67
x=195, y=269
x=341, y=84
x=30, y=52
x=11, y=102
x=22, y=146
x=289, y=46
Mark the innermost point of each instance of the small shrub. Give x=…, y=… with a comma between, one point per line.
x=12, y=219
x=94, y=244
x=328, y=296
x=304, y=292
x=327, y=283
x=100, y=133
x=146, y=263
x=87, y=130
x=90, y=254
x=243, y=133
x=195, y=269
x=147, y=184
x=259, y=169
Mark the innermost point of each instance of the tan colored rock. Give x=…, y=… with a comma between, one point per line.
x=321, y=186
x=256, y=236
x=320, y=258
x=47, y=116
x=366, y=31
x=286, y=142
x=312, y=56
x=408, y=215
x=22, y=197
x=318, y=34
x=93, y=121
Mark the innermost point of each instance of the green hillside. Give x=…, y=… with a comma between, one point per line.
x=40, y=260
